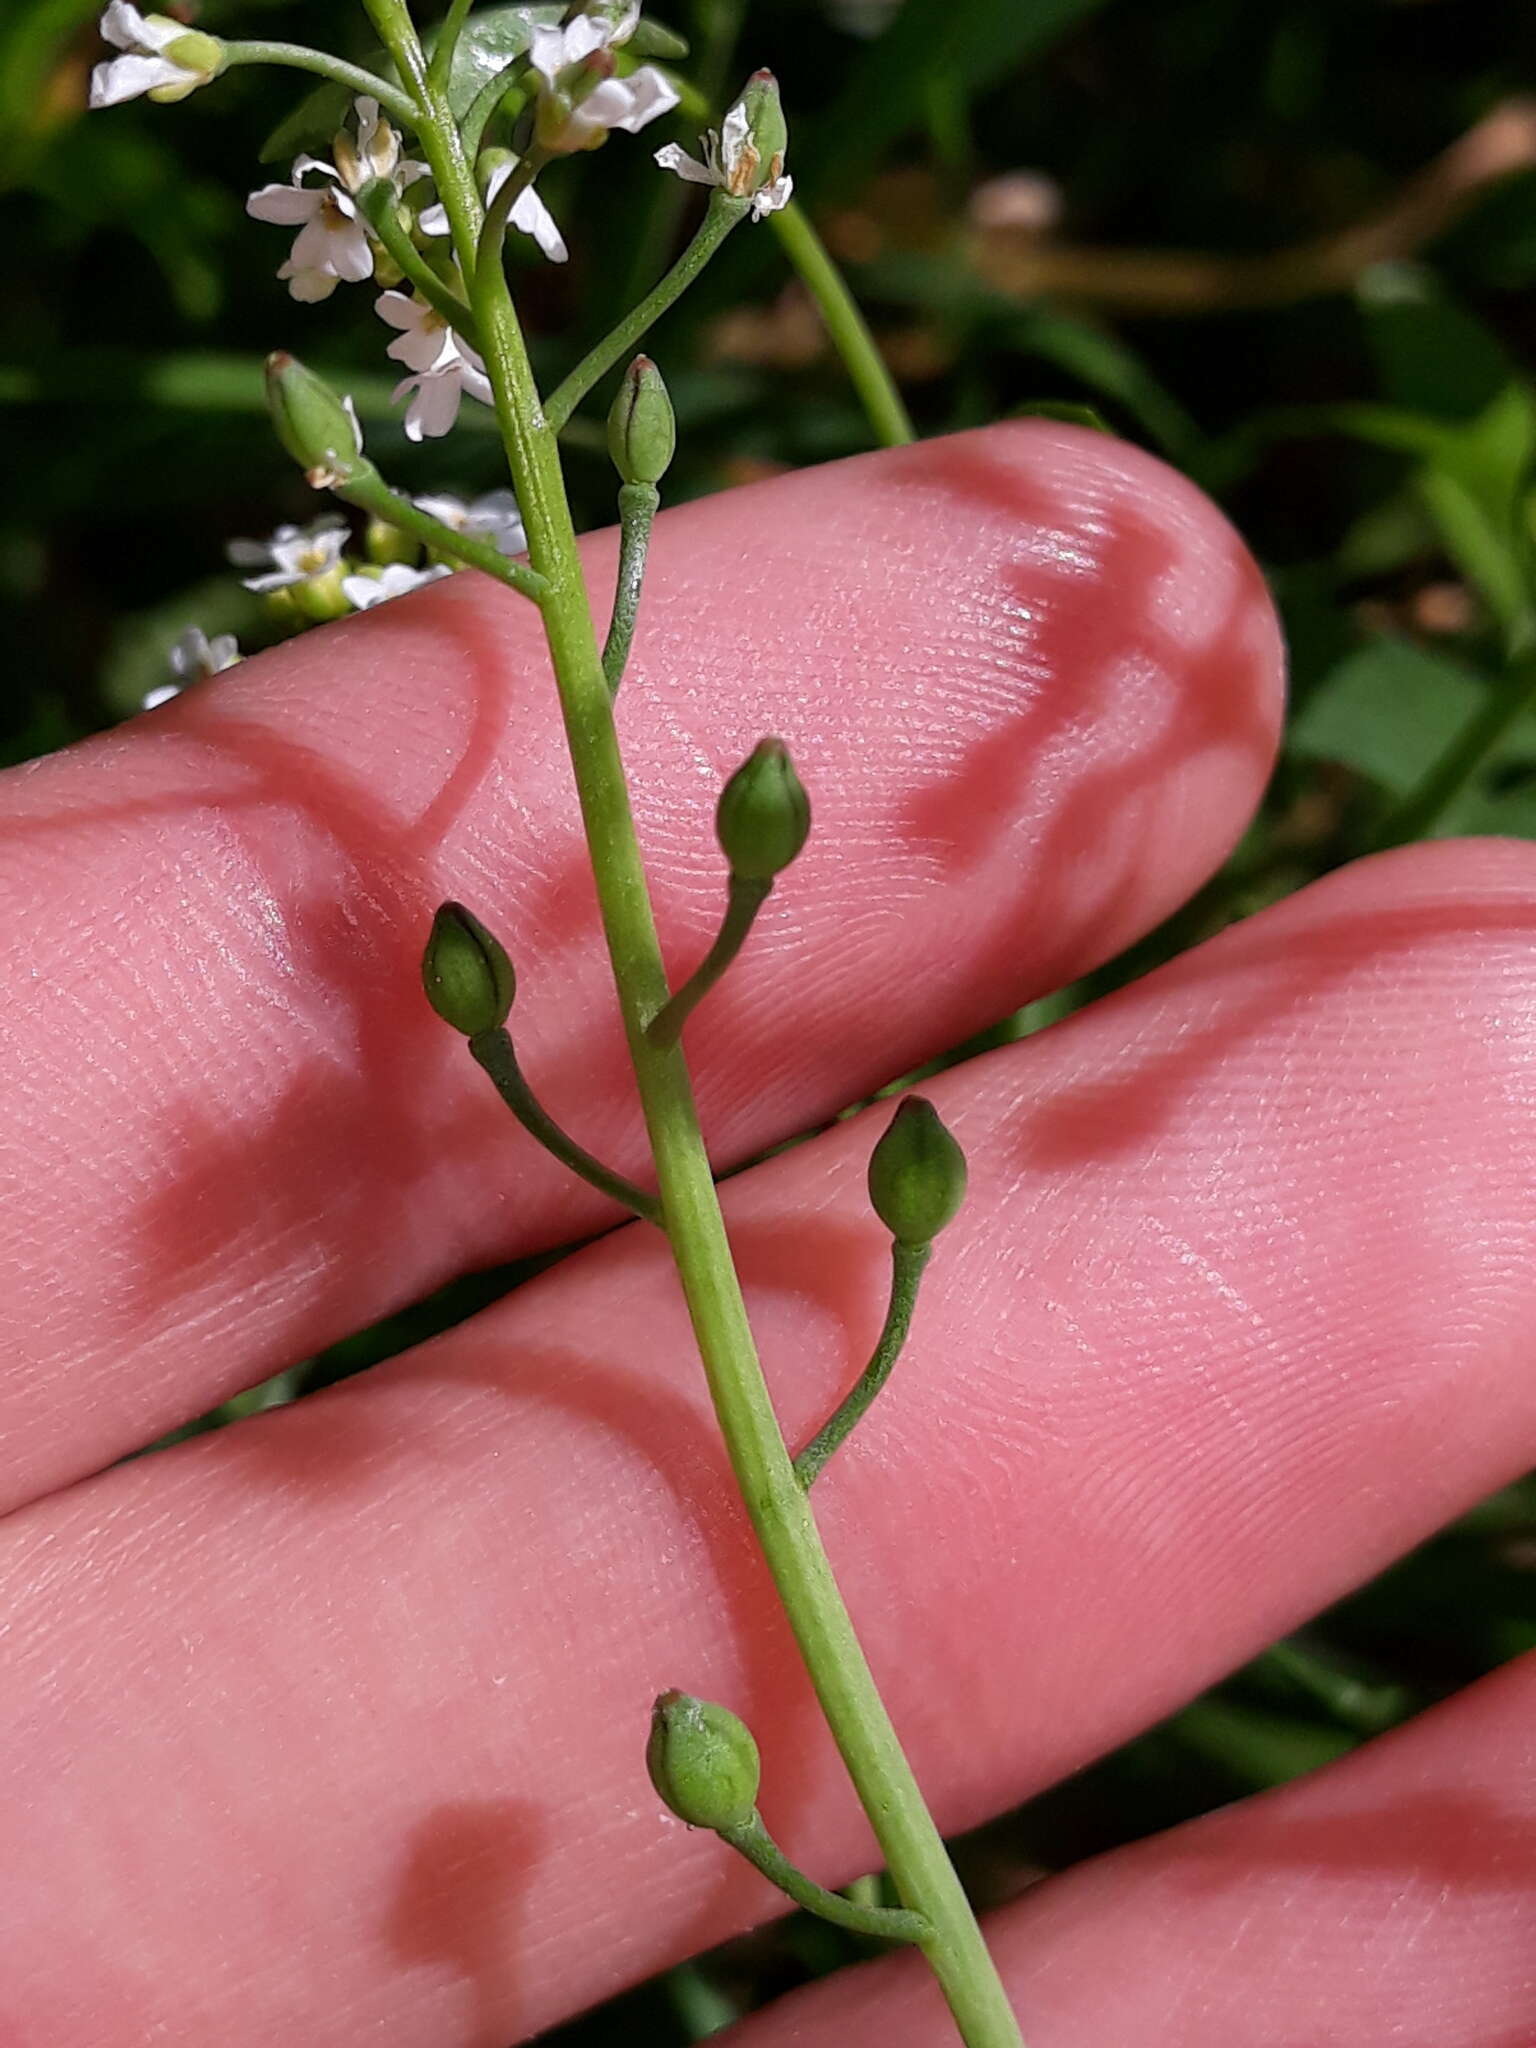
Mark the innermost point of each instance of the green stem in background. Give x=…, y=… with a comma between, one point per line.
x=913, y=1849
x=441, y=64
x=494, y=1051
x=890, y=1923
x=1422, y=809
x=907, y=1263
x=722, y=214
x=637, y=514
x=486, y=101
x=295, y=57
x=369, y=492
x=744, y=899
x=379, y=204
x=845, y=325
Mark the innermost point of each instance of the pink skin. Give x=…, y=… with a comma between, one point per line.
x=329, y=1728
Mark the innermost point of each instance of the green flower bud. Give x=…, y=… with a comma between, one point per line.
x=767, y=132
x=764, y=815
x=466, y=973
x=703, y=1762
x=318, y=429
x=916, y=1174
x=320, y=599
x=384, y=543
x=202, y=55
x=642, y=428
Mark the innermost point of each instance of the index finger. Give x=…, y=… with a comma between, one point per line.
x=1033, y=681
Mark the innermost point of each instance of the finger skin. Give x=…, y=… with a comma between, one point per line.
x=1238, y=1308
x=1032, y=679
x=1388, y=1899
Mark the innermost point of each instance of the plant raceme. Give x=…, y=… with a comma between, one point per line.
x=417, y=197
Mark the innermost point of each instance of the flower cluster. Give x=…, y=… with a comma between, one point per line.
x=367, y=210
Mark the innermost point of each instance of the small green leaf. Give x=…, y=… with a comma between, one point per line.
x=1389, y=711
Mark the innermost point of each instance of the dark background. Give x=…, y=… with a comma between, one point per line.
x=1238, y=237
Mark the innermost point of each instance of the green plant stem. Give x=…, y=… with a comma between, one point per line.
x=637, y=515
x=494, y=230
x=1422, y=809
x=745, y=897
x=440, y=67
x=295, y=57
x=846, y=326
x=913, y=1849
x=907, y=1263
x=720, y=216
x=890, y=1923
x=485, y=103
x=494, y=1051
x=378, y=202
x=369, y=492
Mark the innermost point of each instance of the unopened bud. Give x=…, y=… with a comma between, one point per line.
x=764, y=815
x=760, y=115
x=466, y=973
x=916, y=1174
x=384, y=543
x=318, y=429
x=320, y=599
x=202, y=55
x=642, y=428
x=703, y=1762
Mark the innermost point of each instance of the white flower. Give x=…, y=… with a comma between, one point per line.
x=147, y=68
x=434, y=394
x=444, y=367
x=530, y=216
x=627, y=103
x=193, y=657
x=495, y=517
x=395, y=580
x=730, y=161
x=333, y=240
x=294, y=554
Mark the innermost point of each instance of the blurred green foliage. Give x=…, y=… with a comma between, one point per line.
x=1177, y=257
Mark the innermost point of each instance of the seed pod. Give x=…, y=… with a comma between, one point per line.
x=703, y=1761
x=466, y=973
x=642, y=429
x=916, y=1173
x=318, y=429
x=764, y=815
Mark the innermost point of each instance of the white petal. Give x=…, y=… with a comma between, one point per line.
x=735, y=132
x=129, y=78
x=123, y=27
x=473, y=379
x=532, y=217
x=191, y=655
x=400, y=309
x=279, y=579
x=773, y=196
x=546, y=53
x=651, y=95
x=434, y=404
x=605, y=107
x=672, y=157
x=447, y=510
x=363, y=592
x=584, y=35
x=162, y=695
x=302, y=164
x=156, y=30
x=286, y=206
x=223, y=652
x=434, y=220
x=357, y=426
x=497, y=517
x=309, y=287
x=352, y=252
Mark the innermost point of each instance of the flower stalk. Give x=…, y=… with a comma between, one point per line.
x=762, y=822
